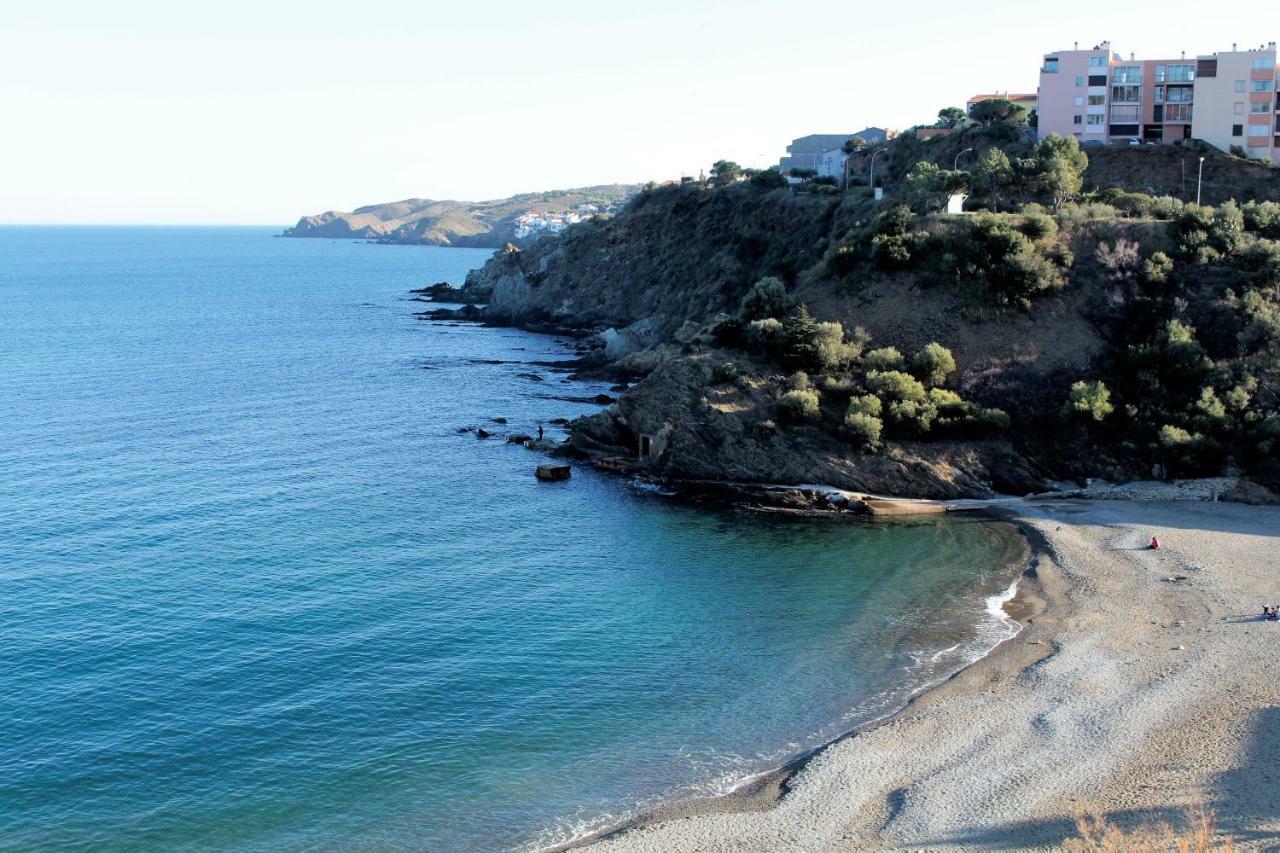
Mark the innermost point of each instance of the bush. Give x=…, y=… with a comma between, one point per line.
x=912, y=417
x=1089, y=400
x=863, y=428
x=799, y=339
x=933, y=364
x=1038, y=226
x=1262, y=218
x=834, y=353
x=766, y=298
x=764, y=335
x=798, y=406
x=799, y=381
x=895, y=385
x=726, y=372
x=865, y=404
x=884, y=358
x=768, y=179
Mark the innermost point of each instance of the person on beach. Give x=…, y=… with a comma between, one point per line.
x=539, y=430
x=1155, y=544
x=1271, y=613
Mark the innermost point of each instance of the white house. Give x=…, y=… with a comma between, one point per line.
x=831, y=163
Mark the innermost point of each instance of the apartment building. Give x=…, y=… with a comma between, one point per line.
x=808, y=152
x=1236, y=101
x=1227, y=99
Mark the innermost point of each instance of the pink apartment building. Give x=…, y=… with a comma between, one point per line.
x=1227, y=99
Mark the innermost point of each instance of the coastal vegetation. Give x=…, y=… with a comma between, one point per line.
x=1057, y=329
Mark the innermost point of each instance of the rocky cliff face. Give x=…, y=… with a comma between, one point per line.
x=650, y=285
x=674, y=255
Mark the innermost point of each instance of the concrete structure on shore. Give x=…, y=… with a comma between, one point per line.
x=1227, y=99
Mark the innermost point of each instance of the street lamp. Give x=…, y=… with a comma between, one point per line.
x=1199, y=177
x=872, y=181
x=955, y=164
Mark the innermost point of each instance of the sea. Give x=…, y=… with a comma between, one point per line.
x=258, y=591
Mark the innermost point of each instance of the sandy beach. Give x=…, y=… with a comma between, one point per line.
x=1143, y=683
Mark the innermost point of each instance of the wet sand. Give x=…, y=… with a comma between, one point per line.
x=1143, y=683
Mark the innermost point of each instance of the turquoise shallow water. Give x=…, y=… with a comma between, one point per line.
x=257, y=592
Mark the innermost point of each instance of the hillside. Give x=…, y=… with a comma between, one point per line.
x=478, y=224
x=822, y=338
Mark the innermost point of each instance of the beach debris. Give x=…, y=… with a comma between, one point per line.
x=553, y=473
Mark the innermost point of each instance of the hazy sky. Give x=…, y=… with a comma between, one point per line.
x=259, y=112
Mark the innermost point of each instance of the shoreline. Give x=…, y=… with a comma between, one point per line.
x=1142, y=685
x=762, y=791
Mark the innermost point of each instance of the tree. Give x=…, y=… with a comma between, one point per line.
x=992, y=174
x=768, y=179
x=950, y=116
x=724, y=172
x=1089, y=400
x=852, y=145
x=928, y=186
x=804, y=175
x=882, y=359
x=997, y=111
x=766, y=298
x=800, y=339
x=1061, y=164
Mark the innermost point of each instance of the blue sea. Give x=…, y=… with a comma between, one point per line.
x=257, y=591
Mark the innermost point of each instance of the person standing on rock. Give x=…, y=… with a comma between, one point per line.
x=539, y=430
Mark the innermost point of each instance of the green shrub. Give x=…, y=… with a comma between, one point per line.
x=833, y=352
x=863, y=428
x=766, y=298
x=1038, y=226
x=768, y=179
x=1262, y=218
x=764, y=335
x=799, y=381
x=933, y=364
x=726, y=372
x=884, y=358
x=1174, y=436
x=799, y=339
x=1089, y=400
x=798, y=406
x=896, y=385
x=911, y=417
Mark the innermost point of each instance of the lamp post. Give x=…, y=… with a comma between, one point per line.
x=1199, y=178
x=872, y=179
x=955, y=164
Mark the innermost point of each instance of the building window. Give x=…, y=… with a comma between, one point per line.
x=1262, y=63
x=1237, y=130
x=1097, y=100
x=1260, y=107
x=1239, y=85
x=1262, y=85
x=1079, y=80
x=1239, y=108
x=1126, y=94
x=1185, y=73
x=1077, y=119
x=1127, y=74
x=1179, y=95
x=1159, y=73
x=1124, y=115
x=1050, y=66
x=1097, y=62
x=1158, y=97
x=1079, y=101
x=1157, y=113
x=1097, y=79
x=1259, y=130
x=1177, y=112
x=1096, y=119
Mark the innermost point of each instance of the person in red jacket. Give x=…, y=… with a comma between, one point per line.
x=1155, y=544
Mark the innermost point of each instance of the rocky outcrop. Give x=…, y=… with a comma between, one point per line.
x=698, y=431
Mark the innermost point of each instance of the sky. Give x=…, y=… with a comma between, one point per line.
x=261, y=112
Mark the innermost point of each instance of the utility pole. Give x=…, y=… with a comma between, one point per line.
x=874, y=155
x=1199, y=179
x=955, y=164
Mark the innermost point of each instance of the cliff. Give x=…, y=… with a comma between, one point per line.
x=481, y=224
x=819, y=337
